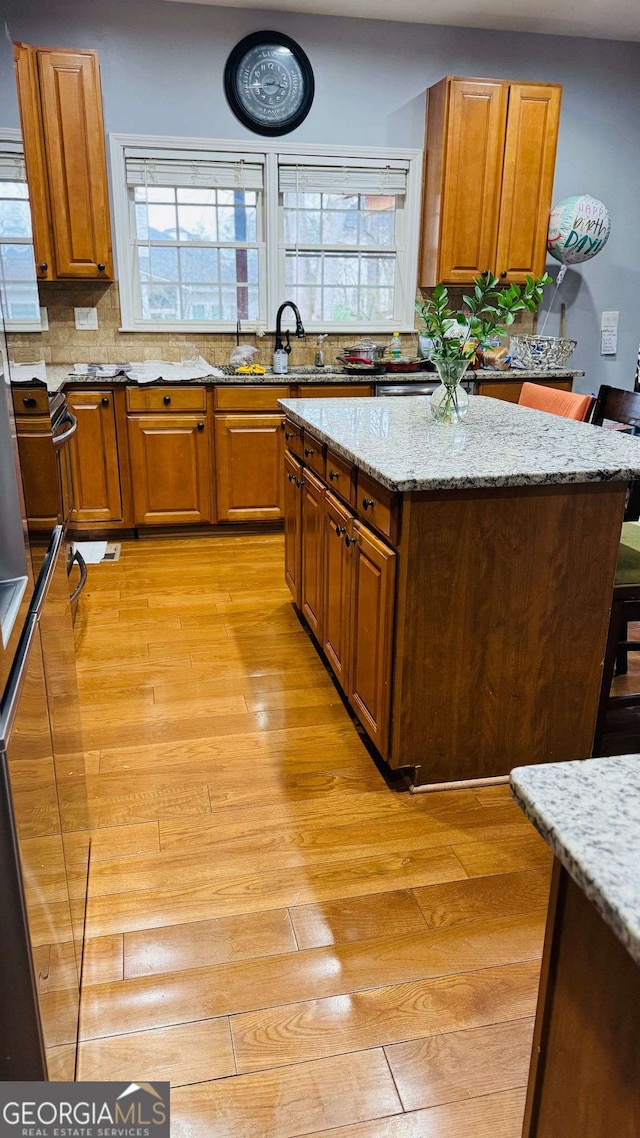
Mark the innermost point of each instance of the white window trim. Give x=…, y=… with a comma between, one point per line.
x=13, y=137
x=408, y=238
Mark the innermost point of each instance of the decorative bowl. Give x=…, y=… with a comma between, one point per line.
x=544, y=352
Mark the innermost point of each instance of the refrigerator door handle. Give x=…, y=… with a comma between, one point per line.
x=47, y=571
x=59, y=440
x=15, y=682
x=82, y=566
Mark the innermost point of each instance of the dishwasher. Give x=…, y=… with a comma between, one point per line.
x=425, y=387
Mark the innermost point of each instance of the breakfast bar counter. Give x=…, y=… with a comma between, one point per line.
x=457, y=578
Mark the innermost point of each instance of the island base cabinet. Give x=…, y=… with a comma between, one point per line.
x=312, y=575
x=293, y=526
x=338, y=572
x=373, y=602
x=170, y=469
x=249, y=467
x=94, y=458
x=584, y=1080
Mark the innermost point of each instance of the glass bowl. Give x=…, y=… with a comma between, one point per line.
x=544, y=352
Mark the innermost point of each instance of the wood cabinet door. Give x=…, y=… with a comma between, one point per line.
x=170, y=469
x=40, y=476
x=26, y=73
x=471, y=178
x=73, y=133
x=338, y=567
x=94, y=458
x=249, y=450
x=292, y=525
x=372, y=618
x=527, y=182
x=312, y=552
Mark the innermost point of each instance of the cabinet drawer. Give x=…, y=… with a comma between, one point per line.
x=30, y=401
x=341, y=477
x=249, y=398
x=313, y=452
x=333, y=390
x=378, y=506
x=166, y=399
x=293, y=437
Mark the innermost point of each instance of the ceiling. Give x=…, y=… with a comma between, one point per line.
x=600, y=19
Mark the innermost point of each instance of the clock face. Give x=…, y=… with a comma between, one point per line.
x=269, y=83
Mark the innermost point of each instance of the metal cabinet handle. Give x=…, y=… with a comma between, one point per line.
x=43, y=266
x=105, y=400
x=82, y=566
x=340, y=531
x=29, y=401
x=333, y=474
x=368, y=503
x=101, y=266
x=201, y=426
x=349, y=540
x=308, y=452
x=166, y=399
x=59, y=440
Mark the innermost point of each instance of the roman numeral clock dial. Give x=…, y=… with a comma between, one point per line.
x=269, y=83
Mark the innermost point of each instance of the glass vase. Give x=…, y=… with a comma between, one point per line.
x=450, y=402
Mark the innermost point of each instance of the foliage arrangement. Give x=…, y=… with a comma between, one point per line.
x=489, y=312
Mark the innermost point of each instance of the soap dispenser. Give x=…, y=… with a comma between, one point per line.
x=319, y=360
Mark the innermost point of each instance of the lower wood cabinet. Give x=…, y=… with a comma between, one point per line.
x=170, y=469
x=312, y=572
x=373, y=602
x=249, y=450
x=338, y=570
x=39, y=473
x=293, y=525
x=94, y=458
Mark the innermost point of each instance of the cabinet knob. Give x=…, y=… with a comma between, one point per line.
x=104, y=401
x=291, y=477
x=288, y=434
x=368, y=503
x=29, y=401
x=308, y=452
x=166, y=399
x=503, y=274
x=340, y=531
x=101, y=266
x=43, y=266
x=299, y=483
x=283, y=424
x=201, y=426
x=333, y=474
x=349, y=540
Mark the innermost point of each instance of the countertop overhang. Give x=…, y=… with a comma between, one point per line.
x=399, y=443
x=589, y=814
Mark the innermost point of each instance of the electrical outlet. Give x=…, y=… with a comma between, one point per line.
x=86, y=319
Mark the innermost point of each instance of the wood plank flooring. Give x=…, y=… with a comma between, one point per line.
x=300, y=946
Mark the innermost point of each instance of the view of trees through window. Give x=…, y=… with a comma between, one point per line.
x=18, y=285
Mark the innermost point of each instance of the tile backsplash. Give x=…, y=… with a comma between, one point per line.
x=64, y=344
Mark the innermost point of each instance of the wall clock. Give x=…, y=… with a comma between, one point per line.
x=269, y=83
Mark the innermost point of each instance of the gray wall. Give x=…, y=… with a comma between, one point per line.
x=162, y=69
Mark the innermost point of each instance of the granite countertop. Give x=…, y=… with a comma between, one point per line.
x=397, y=442
x=589, y=813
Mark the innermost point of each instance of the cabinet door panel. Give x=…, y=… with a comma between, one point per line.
x=527, y=184
x=338, y=565
x=373, y=600
x=292, y=524
x=471, y=178
x=94, y=457
x=170, y=469
x=76, y=169
x=249, y=450
x=312, y=551
x=26, y=72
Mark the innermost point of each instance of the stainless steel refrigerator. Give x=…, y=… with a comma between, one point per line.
x=44, y=821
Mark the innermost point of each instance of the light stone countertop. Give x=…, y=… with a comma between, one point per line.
x=589, y=814
x=397, y=442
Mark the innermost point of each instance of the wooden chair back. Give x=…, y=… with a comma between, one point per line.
x=620, y=406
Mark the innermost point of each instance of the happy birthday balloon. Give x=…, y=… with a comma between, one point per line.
x=579, y=228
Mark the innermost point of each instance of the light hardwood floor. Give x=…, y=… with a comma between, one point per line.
x=298, y=946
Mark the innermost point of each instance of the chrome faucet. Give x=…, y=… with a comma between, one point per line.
x=300, y=332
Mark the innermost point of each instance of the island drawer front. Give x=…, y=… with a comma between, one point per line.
x=293, y=437
x=333, y=390
x=166, y=399
x=313, y=452
x=341, y=477
x=252, y=398
x=377, y=506
x=30, y=401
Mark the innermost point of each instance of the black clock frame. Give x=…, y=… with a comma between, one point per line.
x=231, y=67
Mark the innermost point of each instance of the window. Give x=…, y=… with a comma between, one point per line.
x=18, y=286
x=342, y=232
x=208, y=234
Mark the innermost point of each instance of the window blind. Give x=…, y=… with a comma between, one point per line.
x=382, y=179
x=194, y=171
x=12, y=167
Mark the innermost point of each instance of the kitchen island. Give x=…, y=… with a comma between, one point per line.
x=457, y=578
x=587, y=1033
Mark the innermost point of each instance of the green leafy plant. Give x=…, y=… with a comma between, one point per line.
x=490, y=311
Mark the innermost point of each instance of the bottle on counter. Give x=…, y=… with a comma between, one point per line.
x=280, y=362
x=395, y=347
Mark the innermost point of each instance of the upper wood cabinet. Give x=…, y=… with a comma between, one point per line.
x=63, y=137
x=490, y=157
